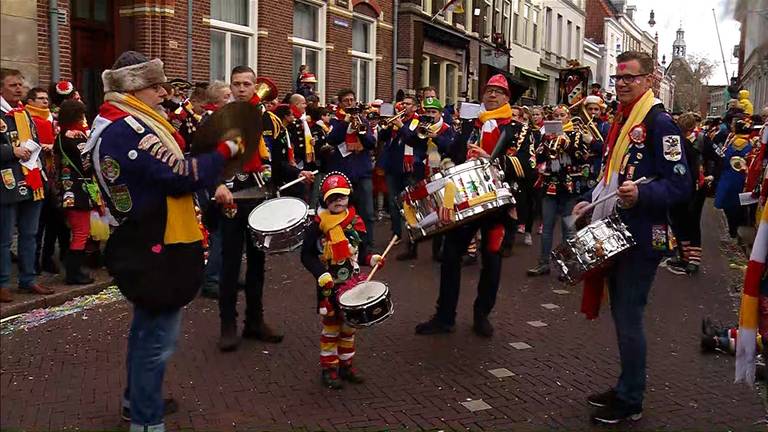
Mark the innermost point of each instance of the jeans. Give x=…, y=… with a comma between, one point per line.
x=234, y=232
x=28, y=215
x=52, y=226
x=551, y=208
x=362, y=197
x=629, y=283
x=151, y=342
x=456, y=243
x=395, y=185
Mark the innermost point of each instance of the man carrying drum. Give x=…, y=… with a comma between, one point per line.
x=494, y=128
x=643, y=141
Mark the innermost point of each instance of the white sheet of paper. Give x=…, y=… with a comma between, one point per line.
x=746, y=198
x=386, y=110
x=35, y=148
x=343, y=150
x=553, y=127
x=469, y=110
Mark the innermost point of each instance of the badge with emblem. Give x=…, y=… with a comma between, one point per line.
x=23, y=190
x=121, y=198
x=66, y=184
x=68, y=199
x=672, y=148
x=637, y=134
x=3, y=126
x=242, y=176
x=229, y=210
x=110, y=168
x=343, y=274
x=679, y=169
x=8, y=179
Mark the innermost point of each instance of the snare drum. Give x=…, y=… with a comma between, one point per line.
x=478, y=188
x=366, y=304
x=592, y=248
x=278, y=225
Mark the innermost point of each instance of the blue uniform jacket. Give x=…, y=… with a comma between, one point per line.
x=394, y=146
x=660, y=155
x=356, y=166
x=731, y=182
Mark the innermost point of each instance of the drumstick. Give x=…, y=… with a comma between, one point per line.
x=570, y=220
x=293, y=182
x=386, y=251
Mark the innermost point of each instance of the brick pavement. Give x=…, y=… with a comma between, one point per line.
x=69, y=373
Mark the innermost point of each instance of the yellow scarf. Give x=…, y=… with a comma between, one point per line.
x=24, y=129
x=180, y=221
x=336, y=248
x=636, y=116
x=43, y=113
x=738, y=142
x=502, y=112
x=568, y=127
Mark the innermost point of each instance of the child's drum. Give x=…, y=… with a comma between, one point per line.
x=366, y=304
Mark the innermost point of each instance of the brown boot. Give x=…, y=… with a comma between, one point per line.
x=260, y=330
x=5, y=295
x=36, y=288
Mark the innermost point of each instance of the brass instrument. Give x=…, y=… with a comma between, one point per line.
x=583, y=121
x=424, y=126
x=738, y=163
x=266, y=90
x=357, y=119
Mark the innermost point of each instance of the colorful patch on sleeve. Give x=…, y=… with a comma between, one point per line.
x=121, y=198
x=110, y=168
x=659, y=240
x=8, y=178
x=672, y=148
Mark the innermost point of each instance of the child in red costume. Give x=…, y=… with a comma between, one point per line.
x=333, y=252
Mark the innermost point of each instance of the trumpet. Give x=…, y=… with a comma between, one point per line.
x=424, y=127
x=357, y=120
x=583, y=120
x=387, y=122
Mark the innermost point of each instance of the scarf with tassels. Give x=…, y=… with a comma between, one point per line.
x=618, y=145
x=754, y=306
x=181, y=221
x=33, y=177
x=488, y=122
x=337, y=247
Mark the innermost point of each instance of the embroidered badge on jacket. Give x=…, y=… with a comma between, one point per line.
x=672, y=148
x=637, y=134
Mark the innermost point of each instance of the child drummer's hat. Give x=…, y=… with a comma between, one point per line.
x=336, y=183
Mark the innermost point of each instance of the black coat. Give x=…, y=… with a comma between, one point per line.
x=73, y=174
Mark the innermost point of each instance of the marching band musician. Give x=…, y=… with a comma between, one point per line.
x=284, y=165
x=643, y=142
x=394, y=134
x=300, y=135
x=490, y=126
x=334, y=248
x=593, y=105
x=155, y=254
x=353, y=141
x=562, y=161
x=429, y=143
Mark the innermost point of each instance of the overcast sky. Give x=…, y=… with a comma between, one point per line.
x=699, y=26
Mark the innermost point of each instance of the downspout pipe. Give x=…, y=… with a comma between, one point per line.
x=394, y=50
x=189, y=40
x=53, y=35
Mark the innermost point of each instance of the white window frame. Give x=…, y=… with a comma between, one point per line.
x=488, y=19
x=248, y=31
x=506, y=26
x=526, y=19
x=318, y=45
x=535, y=30
x=370, y=57
x=443, y=87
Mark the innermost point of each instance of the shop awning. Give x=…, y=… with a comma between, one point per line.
x=532, y=74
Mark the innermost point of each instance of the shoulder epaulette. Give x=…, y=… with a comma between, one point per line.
x=134, y=124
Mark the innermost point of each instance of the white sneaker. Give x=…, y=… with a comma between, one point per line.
x=528, y=239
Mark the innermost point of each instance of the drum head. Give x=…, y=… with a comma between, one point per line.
x=277, y=214
x=363, y=293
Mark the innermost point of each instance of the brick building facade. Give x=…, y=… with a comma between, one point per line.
x=346, y=43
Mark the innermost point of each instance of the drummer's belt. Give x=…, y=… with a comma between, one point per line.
x=343, y=272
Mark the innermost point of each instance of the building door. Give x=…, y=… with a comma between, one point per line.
x=93, y=48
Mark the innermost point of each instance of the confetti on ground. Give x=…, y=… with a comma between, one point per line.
x=537, y=323
x=501, y=372
x=561, y=291
x=550, y=306
x=520, y=345
x=36, y=317
x=476, y=405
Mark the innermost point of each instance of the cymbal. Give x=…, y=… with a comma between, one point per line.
x=232, y=120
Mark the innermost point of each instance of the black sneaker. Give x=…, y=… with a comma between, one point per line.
x=616, y=413
x=602, y=399
x=678, y=268
x=540, y=270
x=350, y=374
x=692, y=269
x=709, y=344
x=331, y=379
x=170, y=406
x=482, y=327
x=433, y=326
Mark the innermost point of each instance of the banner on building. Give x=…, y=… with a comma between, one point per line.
x=574, y=84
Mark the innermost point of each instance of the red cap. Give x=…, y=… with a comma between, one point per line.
x=308, y=77
x=500, y=81
x=64, y=87
x=335, y=183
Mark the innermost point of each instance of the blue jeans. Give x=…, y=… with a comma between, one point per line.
x=629, y=283
x=362, y=196
x=553, y=207
x=151, y=342
x=27, y=213
x=395, y=185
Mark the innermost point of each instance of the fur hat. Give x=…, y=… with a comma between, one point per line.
x=133, y=71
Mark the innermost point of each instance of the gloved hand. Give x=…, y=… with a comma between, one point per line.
x=445, y=215
x=325, y=282
x=231, y=147
x=376, y=259
x=326, y=308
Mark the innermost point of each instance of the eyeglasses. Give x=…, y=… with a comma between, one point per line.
x=495, y=90
x=627, y=79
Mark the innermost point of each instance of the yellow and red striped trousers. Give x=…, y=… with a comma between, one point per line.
x=337, y=342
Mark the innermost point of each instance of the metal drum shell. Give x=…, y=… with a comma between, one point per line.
x=370, y=313
x=287, y=239
x=485, y=176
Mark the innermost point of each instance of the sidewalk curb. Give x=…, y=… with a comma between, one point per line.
x=56, y=299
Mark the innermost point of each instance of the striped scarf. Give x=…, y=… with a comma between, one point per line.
x=749, y=313
x=488, y=122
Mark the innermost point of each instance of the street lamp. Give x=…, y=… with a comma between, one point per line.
x=652, y=21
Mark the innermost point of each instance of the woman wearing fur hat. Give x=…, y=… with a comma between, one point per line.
x=155, y=254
